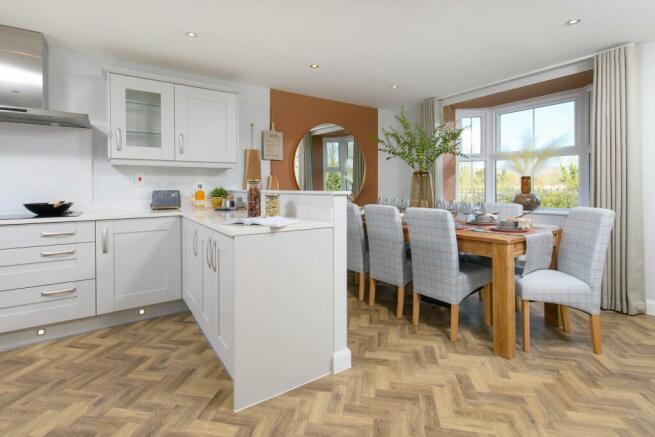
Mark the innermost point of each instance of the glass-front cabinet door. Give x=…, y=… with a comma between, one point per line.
x=141, y=119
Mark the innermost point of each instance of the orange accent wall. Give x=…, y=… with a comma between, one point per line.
x=294, y=114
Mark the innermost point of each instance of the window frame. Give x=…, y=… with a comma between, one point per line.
x=343, y=152
x=490, y=147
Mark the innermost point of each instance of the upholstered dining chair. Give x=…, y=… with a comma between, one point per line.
x=357, y=247
x=438, y=272
x=577, y=281
x=388, y=257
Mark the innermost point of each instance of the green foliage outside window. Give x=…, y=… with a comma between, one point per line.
x=333, y=182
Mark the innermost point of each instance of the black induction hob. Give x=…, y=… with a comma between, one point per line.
x=29, y=215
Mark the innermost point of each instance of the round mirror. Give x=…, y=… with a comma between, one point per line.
x=328, y=158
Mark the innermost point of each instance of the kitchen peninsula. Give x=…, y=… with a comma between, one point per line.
x=271, y=302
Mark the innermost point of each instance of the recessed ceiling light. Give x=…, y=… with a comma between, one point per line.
x=191, y=34
x=394, y=86
x=573, y=21
x=314, y=66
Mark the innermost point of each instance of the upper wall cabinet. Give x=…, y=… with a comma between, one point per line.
x=159, y=122
x=205, y=125
x=142, y=116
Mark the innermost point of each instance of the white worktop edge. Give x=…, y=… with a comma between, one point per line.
x=206, y=217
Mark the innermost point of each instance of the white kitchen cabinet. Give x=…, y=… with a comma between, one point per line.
x=141, y=118
x=193, y=262
x=205, y=125
x=160, y=121
x=46, y=304
x=209, y=313
x=42, y=265
x=208, y=286
x=138, y=262
x=46, y=234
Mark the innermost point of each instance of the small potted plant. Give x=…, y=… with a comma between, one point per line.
x=218, y=195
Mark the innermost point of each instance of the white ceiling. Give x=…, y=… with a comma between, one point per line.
x=429, y=48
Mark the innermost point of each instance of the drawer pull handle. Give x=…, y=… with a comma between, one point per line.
x=56, y=234
x=105, y=235
x=57, y=292
x=57, y=253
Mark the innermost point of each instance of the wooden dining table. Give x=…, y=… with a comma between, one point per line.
x=502, y=248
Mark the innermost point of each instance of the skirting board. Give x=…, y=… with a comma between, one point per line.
x=650, y=307
x=25, y=337
x=341, y=361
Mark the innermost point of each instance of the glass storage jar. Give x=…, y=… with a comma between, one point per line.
x=272, y=205
x=254, y=198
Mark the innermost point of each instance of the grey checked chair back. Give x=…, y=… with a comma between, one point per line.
x=357, y=251
x=435, y=259
x=504, y=210
x=585, y=236
x=386, y=245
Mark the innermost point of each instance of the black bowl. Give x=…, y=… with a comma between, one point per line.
x=48, y=209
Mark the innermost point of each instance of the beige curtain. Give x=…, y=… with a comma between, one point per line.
x=427, y=122
x=307, y=174
x=616, y=174
x=358, y=170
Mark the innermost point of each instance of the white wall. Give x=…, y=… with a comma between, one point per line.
x=42, y=163
x=394, y=176
x=648, y=145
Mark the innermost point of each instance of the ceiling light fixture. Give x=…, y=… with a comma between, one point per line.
x=573, y=21
x=191, y=34
x=394, y=86
x=314, y=66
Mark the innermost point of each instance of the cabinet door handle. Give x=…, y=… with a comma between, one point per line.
x=195, y=243
x=180, y=142
x=119, y=139
x=57, y=234
x=105, y=237
x=209, y=243
x=215, y=254
x=212, y=245
x=58, y=252
x=56, y=292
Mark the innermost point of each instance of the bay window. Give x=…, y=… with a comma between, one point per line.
x=546, y=138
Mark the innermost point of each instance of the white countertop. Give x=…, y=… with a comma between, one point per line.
x=203, y=216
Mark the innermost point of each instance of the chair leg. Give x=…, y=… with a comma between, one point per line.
x=400, y=302
x=485, y=294
x=454, y=321
x=564, y=315
x=371, y=293
x=594, y=321
x=416, y=305
x=517, y=303
x=362, y=285
x=526, y=325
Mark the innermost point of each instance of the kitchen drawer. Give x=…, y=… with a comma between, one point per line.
x=47, y=304
x=45, y=234
x=32, y=266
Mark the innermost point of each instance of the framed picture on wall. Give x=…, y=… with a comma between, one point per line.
x=272, y=145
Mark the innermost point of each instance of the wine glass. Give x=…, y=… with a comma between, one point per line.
x=466, y=209
x=478, y=211
x=453, y=207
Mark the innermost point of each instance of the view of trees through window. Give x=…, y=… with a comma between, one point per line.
x=537, y=142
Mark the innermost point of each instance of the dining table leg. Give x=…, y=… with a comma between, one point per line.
x=504, y=324
x=552, y=315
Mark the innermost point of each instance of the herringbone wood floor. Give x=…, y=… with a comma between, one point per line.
x=160, y=377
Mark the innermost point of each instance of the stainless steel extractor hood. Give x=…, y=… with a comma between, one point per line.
x=24, y=81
